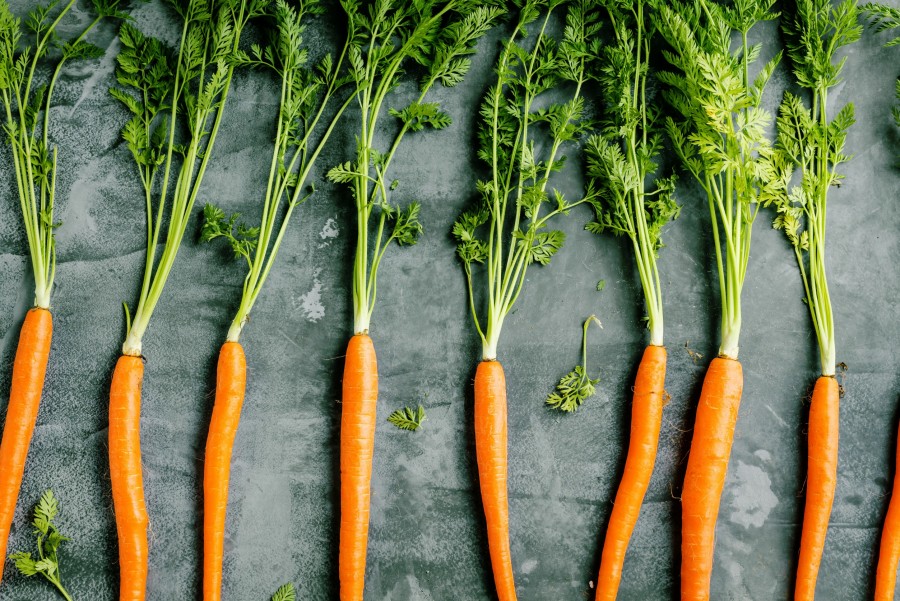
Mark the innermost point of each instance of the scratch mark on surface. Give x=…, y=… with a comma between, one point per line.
x=778, y=417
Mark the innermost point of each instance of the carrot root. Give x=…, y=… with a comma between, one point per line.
x=821, y=483
x=358, y=412
x=646, y=420
x=231, y=380
x=491, y=454
x=704, y=480
x=29, y=370
x=127, y=477
x=889, y=552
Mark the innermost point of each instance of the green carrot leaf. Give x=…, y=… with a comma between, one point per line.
x=407, y=418
x=572, y=391
x=49, y=540
x=285, y=593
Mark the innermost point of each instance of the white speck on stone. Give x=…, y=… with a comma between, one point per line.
x=529, y=566
x=329, y=232
x=751, y=498
x=764, y=455
x=310, y=304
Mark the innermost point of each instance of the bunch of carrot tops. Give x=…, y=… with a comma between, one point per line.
x=551, y=62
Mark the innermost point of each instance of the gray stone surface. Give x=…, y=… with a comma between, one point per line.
x=427, y=541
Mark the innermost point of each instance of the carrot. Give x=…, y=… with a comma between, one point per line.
x=491, y=454
x=358, y=408
x=889, y=553
x=814, y=33
x=638, y=206
x=155, y=84
x=380, y=65
x=127, y=477
x=29, y=369
x=26, y=108
x=704, y=480
x=293, y=158
x=646, y=420
x=821, y=483
x=505, y=232
x=231, y=379
x=733, y=167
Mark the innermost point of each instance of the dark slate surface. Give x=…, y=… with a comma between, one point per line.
x=427, y=541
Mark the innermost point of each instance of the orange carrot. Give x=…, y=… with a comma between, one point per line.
x=127, y=477
x=231, y=380
x=29, y=369
x=491, y=454
x=889, y=554
x=360, y=397
x=646, y=419
x=717, y=414
x=820, y=485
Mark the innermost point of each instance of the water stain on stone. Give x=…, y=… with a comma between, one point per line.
x=751, y=498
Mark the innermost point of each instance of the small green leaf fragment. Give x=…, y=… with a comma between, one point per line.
x=407, y=418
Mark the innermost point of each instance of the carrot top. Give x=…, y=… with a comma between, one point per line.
x=305, y=94
x=24, y=102
x=809, y=142
x=163, y=90
x=622, y=156
x=521, y=143
x=439, y=35
x=720, y=131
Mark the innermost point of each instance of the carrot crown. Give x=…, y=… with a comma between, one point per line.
x=720, y=131
x=27, y=120
x=811, y=144
x=438, y=35
x=622, y=156
x=512, y=204
x=305, y=94
x=163, y=89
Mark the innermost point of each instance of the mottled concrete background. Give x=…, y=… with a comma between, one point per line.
x=427, y=540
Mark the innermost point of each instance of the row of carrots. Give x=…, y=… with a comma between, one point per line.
x=176, y=98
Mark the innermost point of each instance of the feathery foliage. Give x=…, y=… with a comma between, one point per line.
x=811, y=144
x=305, y=93
x=167, y=91
x=575, y=387
x=26, y=118
x=408, y=418
x=520, y=137
x=49, y=540
x=285, y=593
x=622, y=157
x=388, y=37
x=720, y=129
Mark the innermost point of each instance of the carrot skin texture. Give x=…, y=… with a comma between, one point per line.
x=889, y=552
x=231, y=383
x=358, y=412
x=646, y=421
x=820, y=484
x=491, y=454
x=29, y=370
x=717, y=412
x=127, y=477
